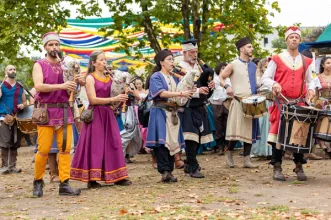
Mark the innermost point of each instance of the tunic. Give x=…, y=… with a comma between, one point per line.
x=243, y=80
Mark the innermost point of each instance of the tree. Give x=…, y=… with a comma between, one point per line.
x=279, y=43
x=311, y=35
x=22, y=24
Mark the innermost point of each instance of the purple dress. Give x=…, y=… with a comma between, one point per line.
x=99, y=154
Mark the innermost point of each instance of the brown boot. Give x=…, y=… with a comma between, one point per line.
x=13, y=158
x=4, y=161
x=313, y=156
x=179, y=164
x=301, y=176
x=278, y=175
x=154, y=162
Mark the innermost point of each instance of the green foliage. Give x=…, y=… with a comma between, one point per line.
x=279, y=43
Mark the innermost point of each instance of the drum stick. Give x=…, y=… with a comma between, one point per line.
x=284, y=97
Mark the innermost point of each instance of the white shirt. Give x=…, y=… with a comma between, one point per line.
x=269, y=74
x=219, y=94
x=188, y=68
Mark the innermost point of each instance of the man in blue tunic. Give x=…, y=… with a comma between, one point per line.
x=12, y=99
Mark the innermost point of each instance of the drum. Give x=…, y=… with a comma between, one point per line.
x=296, y=127
x=254, y=106
x=323, y=127
x=24, y=120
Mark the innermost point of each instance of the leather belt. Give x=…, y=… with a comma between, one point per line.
x=65, y=119
x=165, y=105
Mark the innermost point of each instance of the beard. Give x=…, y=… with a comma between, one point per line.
x=53, y=54
x=249, y=54
x=11, y=75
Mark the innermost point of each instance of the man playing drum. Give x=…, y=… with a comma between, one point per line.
x=284, y=75
x=52, y=95
x=12, y=99
x=242, y=74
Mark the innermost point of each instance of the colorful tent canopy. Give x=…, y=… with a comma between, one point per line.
x=81, y=37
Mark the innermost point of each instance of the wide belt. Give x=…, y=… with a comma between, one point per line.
x=65, y=118
x=165, y=105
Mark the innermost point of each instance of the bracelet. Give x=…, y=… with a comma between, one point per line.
x=226, y=86
x=180, y=95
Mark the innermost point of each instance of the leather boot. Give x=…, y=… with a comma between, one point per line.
x=93, y=185
x=154, y=162
x=248, y=163
x=196, y=174
x=228, y=159
x=38, y=188
x=13, y=159
x=166, y=177
x=179, y=164
x=278, y=175
x=172, y=178
x=66, y=190
x=301, y=176
x=4, y=161
x=313, y=156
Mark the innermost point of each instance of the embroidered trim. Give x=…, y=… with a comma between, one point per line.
x=100, y=79
x=99, y=175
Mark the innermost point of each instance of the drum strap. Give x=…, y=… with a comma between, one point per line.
x=26, y=89
x=303, y=74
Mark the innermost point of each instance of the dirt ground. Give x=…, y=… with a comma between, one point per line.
x=223, y=194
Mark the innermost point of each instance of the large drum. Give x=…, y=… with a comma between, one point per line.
x=323, y=128
x=24, y=120
x=296, y=127
x=254, y=106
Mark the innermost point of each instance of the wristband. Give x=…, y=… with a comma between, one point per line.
x=226, y=86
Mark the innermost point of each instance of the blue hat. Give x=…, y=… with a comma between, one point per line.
x=123, y=68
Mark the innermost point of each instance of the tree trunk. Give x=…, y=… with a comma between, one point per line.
x=186, y=18
x=196, y=20
x=149, y=30
x=205, y=18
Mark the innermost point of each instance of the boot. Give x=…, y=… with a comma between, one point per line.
x=4, y=161
x=172, y=178
x=38, y=188
x=228, y=159
x=248, y=163
x=196, y=174
x=124, y=182
x=179, y=164
x=93, y=185
x=154, y=162
x=313, y=156
x=278, y=175
x=13, y=159
x=301, y=176
x=166, y=177
x=221, y=151
x=66, y=190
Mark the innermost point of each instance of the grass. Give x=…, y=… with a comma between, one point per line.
x=309, y=211
x=258, y=195
x=297, y=182
x=279, y=208
x=233, y=189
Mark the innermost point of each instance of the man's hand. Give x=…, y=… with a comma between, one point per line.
x=20, y=106
x=204, y=90
x=229, y=92
x=80, y=78
x=276, y=89
x=70, y=86
x=211, y=84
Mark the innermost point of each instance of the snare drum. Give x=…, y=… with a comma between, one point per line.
x=254, y=106
x=323, y=128
x=296, y=127
x=24, y=120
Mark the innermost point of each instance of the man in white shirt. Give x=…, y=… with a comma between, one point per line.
x=220, y=105
x=284, y=75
